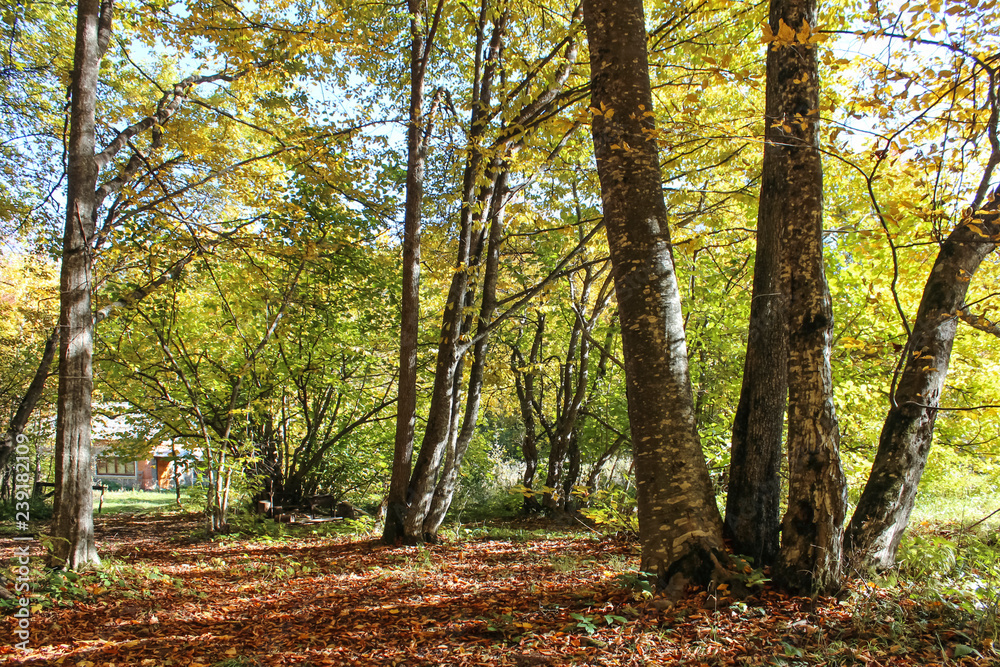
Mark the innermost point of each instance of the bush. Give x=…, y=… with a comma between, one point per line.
x=39, y=509
x=961, y=576
x=613, y=510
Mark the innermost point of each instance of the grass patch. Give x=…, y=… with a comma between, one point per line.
x=962, y=508
x=138, y=502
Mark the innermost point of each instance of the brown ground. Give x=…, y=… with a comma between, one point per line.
x=165, y=598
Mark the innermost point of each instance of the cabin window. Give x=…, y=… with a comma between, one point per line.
x=115, y=466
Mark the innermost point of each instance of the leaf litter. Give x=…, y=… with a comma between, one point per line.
x=164, y=599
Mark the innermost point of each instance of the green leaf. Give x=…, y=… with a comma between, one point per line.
x=961, y=650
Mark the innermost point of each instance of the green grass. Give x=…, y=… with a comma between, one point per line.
x=133, y=502
x=963, y=508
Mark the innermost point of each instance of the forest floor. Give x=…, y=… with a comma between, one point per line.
x=520, y=594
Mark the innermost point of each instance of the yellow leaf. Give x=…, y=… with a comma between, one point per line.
x=804, y=32
x=785, y=33
x=768, y=35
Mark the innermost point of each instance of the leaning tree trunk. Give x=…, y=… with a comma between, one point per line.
x=812, y=530
x=753, y=519
x=73, y=523
x=884, y=508
x=448, y=482
x=679, y=524
x=30, y=399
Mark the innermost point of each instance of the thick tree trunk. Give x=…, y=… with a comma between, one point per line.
x=406, y=415
x=884, y=508
x=752, y=504
x=72, y=524
x=812, y=530
x=679, y=524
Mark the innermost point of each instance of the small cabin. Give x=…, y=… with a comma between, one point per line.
x=156, y=472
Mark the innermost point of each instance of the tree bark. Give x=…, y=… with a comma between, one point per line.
x=416, y=144
x=30, y=399
x=752, y=504
x=884, y=508
x=448, y=482
x=812, y=529
x=524, y=384
x=423, y=480
x=679, y=524
x=73, y=524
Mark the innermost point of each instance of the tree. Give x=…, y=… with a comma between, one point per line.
x=267, y=360
x=884, y=508
x=72, y=525
x=752, y=504
x=554, y=385
x=418, y=134
x=679, y=524
x=887, y=500
x=495, y=134
x=930, y=142
x=812, y=529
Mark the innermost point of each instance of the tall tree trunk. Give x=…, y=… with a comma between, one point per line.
x=812, y=529
x=752, y=504
x=416, y=145
x=884, y=508
x=73, y=523
x=424, y=478
x=679, y=524
x=445, y=491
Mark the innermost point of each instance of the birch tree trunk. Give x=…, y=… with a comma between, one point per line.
x=812, y=529
x=679, y=524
